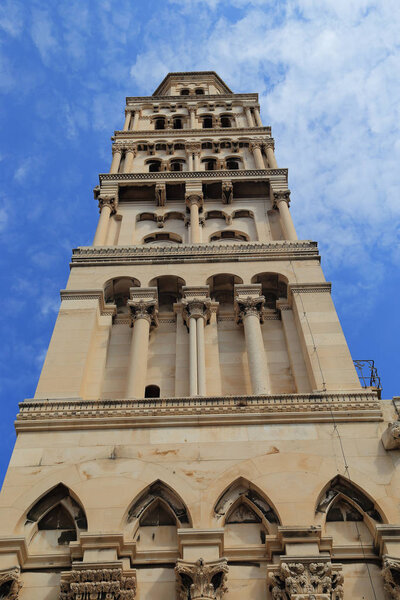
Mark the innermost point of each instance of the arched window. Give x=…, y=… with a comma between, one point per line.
x=116, y=291
x=161, y=147
x=179, y=146
x=222, y=289
x=232, y=163
x=160, y=123
x=185, y=92
x=206, y=146
x=177, y=123
x=215, y=214
x=167, y=238
x=207, y=122
x=177, y=164
x=234, y=236
x=210, y=164
x=152, y=391
x=225, y=121
x=242, y=214
x=154, y=166
x=199, y=91
x=169, y=291
x=273, y=286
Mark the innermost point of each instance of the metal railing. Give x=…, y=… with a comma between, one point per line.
x=368, y=374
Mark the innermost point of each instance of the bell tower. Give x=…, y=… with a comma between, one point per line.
x=199, y=429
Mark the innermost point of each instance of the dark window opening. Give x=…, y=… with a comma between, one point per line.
x=228, y=235
x=161, y=147
x=160, y=124
x=177, y=165
x=210, y=165
x=207, y=123
x=232, y=164
x=157, y=515
x=242, y=214
x=225, y=122
x=206, y=146
x=179, y=146
x=185, y=92
x=57, y=518
x=177, y=123
x=152, y=391
x=199, y=91
x=154, y=166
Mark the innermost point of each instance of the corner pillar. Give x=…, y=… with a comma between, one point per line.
x=136, y=117
x=129, y=156
x=249, y=116
x=116, y=160
x=128, y=116
x=255, y=147
x=257, y=116
x=249, y=304
x=269, y=150
x=107, y=207
x=281, y=202
x=144, y=310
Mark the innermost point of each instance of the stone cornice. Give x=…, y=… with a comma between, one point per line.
x=244, y=252
x=75, y=295
x=182, y=99
x=166, y=176
x=184, y=133
x=67, y=414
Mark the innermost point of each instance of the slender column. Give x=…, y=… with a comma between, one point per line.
x=116, y=160
x=129, y=156
x=281, y=201
x=190, y=160
x=269, y=148
x=256, y=149
x=107, y=206
x=249, y=308
x=249, y=116
x=144, y=307
x=136, y=119
x=196, y=313
x=194, y=201
x=128, y=115
x=197, y=160
x=192, y=356
x=257, y=116
x=192, y=112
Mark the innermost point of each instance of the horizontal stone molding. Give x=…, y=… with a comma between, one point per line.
x=311, y=288
x=248, y=251
x=173, y=176
x=156, y=99
x=184, y=133
x=62, y=414
x=75, y=295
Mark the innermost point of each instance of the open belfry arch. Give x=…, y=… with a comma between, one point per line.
x=199, y=430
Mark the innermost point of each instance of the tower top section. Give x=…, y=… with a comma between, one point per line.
x=191, y=84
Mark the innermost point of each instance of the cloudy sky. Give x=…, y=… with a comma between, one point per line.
x=328, y=78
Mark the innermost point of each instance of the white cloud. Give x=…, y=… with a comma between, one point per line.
x=42, y=31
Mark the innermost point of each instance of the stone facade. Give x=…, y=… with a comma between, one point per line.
x=199, y=430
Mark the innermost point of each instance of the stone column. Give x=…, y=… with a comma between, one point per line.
x=269, y=149
x=249, y=304
x=128, y=116
x=189, y=155
x=144, y=308
x=192, y=112
x=194, y=201
x=196, y=313
x=201, y=580
x=107, y=206
x=249, y=116
x=281, y=202
x=197, y=160
x=116, y=160
x=136, y=117
x=129, y=156
x=294, y=349
x=257, y=116
x=255, y=147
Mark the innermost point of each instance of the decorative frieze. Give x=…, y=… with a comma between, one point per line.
x=237, y=174
x=10, y=584
x=201, y=580
x=391, y=577
x=98, y=584
x=306, y=581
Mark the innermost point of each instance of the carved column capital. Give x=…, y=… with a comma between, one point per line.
x=391, y=576
x=248, y=301
x=10, y=583
x=143, y=304
x=194, y=198
x=113, y=584
x=256, y=144
x=197, y=308
x=131, y=148
x=110, y=201
x=306, y=581
x=193, y=147
x=201, y=580
x=227, y=192
x=269, y=143
x=281, y=196
x=117, y=148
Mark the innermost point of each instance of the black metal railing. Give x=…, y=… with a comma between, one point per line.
x=368, y=374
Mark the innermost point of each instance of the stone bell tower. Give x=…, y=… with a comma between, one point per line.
x=199, y=430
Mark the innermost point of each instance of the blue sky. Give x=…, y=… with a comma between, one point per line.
x=328, y=78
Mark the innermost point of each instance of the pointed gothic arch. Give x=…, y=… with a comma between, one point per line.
x=159, y=493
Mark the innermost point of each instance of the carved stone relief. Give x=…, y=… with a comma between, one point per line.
x=201, y=580
x=10, y=584
x=391, y=577
x=98, y=584
x=306, y=581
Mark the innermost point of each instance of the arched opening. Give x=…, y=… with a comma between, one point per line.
x=215, y=214
x=184, y=92
x=225, y=121
x=146, y=216
x=273, y=286
x=177, y=164
x=210, y=164
x=162, y=238
x=231, y=236
x=55, y=520
x=174, y=215
x=207, y=122
x=350, y=515
x=154, y=166
x=232, y=164
x=222, y=290
x=169, y=291
x=243, y=214
x=206, y=146
x=179, y=146
x=152, y=391
x=116, y=291
x=159, y=123
x=199, y=91
x=177, y=123
x=162, y=147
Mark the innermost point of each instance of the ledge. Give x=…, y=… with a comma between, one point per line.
x=87, y=256
x=183, y=133
x=64, y=414
x=171, y=176
x=204, y=98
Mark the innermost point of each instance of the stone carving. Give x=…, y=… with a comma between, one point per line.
x=391, y=436
x=160, y=194
x=194, y=198
x=197, y=308
x=249, y=306
x=281, y=196
x=201, y=580
x=98, y=584
x=10, y=584
x=227, y=192
x=306, y=581
x=142, y=308
x=107, y=201
x=269, y=144
x=391, y=577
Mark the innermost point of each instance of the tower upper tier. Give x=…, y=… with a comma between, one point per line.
x=192, y=83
